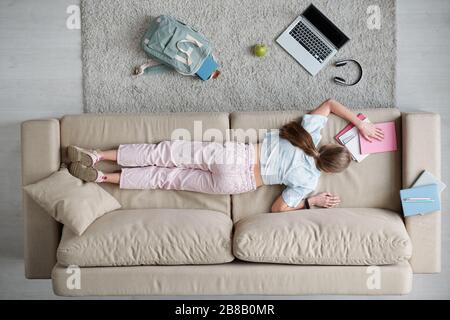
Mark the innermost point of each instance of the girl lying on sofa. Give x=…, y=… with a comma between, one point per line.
x=287, y=156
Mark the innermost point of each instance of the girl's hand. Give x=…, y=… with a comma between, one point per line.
x=369, y=131
x=324, y=200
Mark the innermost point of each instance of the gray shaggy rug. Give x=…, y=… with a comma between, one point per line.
x=112, y=31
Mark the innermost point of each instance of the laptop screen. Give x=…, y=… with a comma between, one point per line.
x=325, y=26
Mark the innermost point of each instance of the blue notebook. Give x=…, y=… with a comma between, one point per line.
x=426, y=178
x=207, y=68
x=420, y=200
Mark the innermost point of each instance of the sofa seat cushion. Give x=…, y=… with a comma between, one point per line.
x=356, y=236
x=150, y=237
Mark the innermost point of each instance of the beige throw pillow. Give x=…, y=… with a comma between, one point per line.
x=70, y=201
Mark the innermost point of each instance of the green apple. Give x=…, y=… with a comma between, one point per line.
x=260, y=50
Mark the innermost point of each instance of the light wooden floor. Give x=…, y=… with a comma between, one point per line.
x=40, y=76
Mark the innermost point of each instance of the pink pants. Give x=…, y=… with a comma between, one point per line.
x=207, y=167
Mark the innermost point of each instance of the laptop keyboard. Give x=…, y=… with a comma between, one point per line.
x=311, y=42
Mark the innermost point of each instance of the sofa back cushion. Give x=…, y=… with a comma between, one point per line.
x=358, y=236
x=109, y=131
x=150, y=237
x=373, y=183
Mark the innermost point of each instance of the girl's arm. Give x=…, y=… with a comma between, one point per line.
x=368, y=130
x=323, y=200
x=280, y=206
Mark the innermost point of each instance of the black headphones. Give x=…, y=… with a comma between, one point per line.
x=342, y=81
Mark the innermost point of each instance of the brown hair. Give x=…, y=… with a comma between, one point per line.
x=329, y=158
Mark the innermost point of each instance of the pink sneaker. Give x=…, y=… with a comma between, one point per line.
x=87, y=157
x=88, y=174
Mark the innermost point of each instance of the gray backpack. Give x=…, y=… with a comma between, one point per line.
x=170, y=43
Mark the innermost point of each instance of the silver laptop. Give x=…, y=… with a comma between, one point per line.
x=312, y=39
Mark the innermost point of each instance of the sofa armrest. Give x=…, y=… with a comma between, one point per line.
x=40, y=140
x=422, y=151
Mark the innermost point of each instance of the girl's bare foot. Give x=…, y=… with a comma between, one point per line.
x=110, y=155
x=112, y=177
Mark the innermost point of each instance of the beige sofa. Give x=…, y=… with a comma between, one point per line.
x=370, y=203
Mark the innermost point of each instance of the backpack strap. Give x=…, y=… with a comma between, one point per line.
x=151, y=66
x=188, y=52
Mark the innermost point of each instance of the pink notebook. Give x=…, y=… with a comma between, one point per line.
x=389, y=143
x=348, y=127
